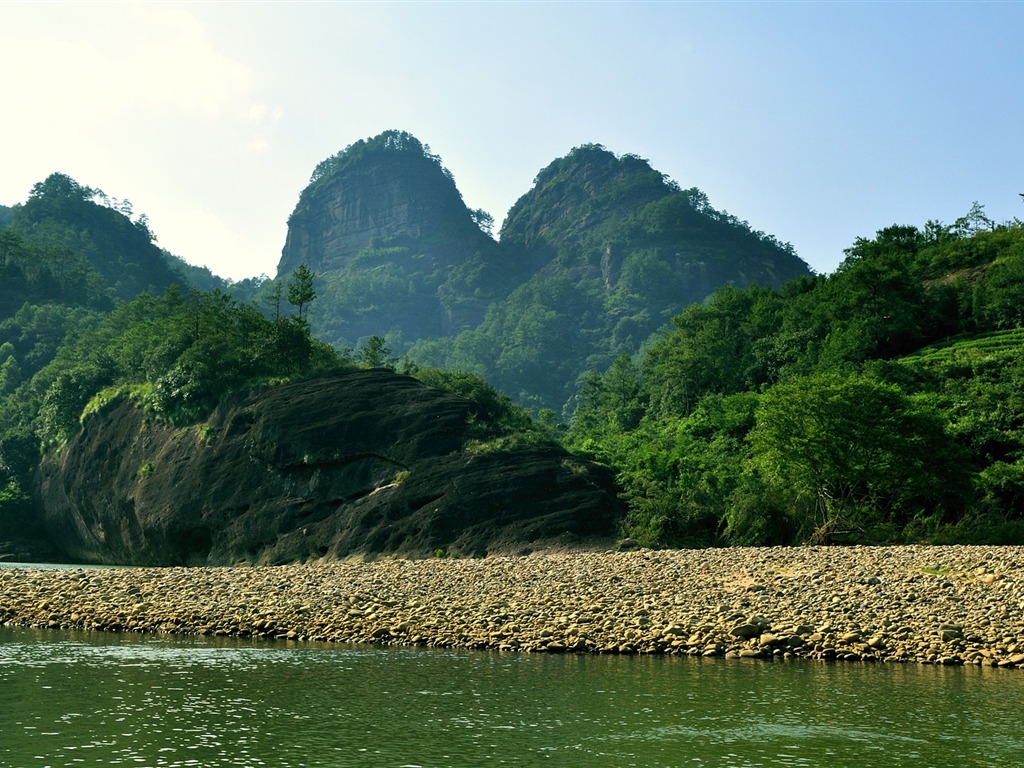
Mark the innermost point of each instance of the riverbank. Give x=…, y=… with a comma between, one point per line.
x=940, y=605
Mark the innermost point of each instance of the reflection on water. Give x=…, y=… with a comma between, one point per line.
x=74, y=699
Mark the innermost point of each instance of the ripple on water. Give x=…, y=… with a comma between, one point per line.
x=127, y=700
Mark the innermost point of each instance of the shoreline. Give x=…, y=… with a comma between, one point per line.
x=925, y=604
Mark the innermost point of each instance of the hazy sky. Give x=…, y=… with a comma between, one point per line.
x=815, y=122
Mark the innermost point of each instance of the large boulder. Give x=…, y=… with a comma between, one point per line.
x=359, y=463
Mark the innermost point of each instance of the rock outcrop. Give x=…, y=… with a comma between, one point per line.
x=385, y=191
x=384, y=222
x=363, y=462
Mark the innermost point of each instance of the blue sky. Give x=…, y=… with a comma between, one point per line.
x=815, y=122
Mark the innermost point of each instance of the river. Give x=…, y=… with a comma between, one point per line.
x=106, y=699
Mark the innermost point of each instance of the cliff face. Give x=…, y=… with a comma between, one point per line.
x=392, y=190
x=359, y=463
x=384, y=227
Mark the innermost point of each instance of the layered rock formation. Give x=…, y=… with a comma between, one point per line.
x=387, y=190
x=358, y=463
x=386, y=230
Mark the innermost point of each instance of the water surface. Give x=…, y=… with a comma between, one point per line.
x=72, y=699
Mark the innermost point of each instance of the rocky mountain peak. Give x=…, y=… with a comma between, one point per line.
x=386, y=189
x=575, y=193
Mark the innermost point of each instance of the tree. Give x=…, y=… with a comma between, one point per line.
x=374, y=353
x=11, y=246
x=300, y=288
x=274, y=298
x=854, y=453
x=484, y=220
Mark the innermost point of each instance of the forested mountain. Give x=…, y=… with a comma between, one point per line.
x=598, y=256
x=68, y=254
x=113, y=357
x=884, y=402
x=76, y=234
x=881, y=403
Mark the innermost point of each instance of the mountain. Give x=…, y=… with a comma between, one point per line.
x=590, y=263
x=86, y=238
x=600, y=216
x=385, y=228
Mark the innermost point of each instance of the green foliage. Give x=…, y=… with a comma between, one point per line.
x=850, y=453
x=484, y=220
x=177, y=355
x=300, y=289
x=88, y=239
x=66, y=397
x=16, y=511
x=500, y=425
x=884, y=402
x=19, y=453
x=375, y=353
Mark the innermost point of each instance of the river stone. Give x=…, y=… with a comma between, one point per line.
x=746, y=631
x=507, y=602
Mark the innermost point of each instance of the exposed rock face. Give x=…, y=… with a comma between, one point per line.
x=392, y=193
x=362, y=462
x=397, y=250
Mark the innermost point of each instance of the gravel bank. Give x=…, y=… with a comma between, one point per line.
x=940, y=605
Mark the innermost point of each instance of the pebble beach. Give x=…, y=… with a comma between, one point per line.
x=935, y=605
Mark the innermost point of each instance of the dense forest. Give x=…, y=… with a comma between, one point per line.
x=881, y=403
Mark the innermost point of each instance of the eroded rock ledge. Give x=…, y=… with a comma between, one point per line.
x=939, y=605
x=361, y=462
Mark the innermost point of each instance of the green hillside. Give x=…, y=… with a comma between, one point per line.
x=882, y=403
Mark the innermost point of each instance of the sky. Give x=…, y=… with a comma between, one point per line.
x=816, y=122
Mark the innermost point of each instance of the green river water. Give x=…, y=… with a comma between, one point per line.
x=94, y=699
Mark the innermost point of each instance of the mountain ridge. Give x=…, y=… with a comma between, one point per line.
x=604, y=246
